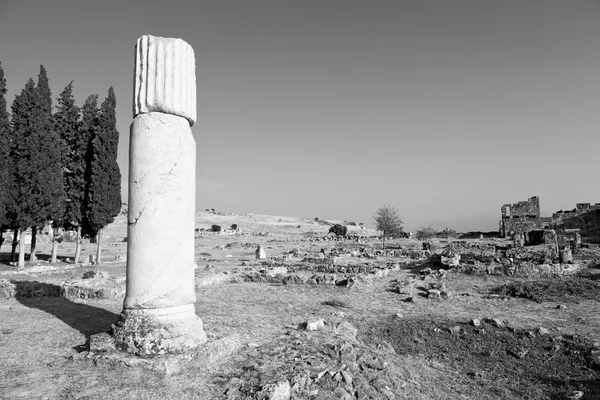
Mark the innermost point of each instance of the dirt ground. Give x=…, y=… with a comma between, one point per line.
x=381, y=338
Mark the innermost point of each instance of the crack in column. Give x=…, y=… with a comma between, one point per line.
x=135, y=220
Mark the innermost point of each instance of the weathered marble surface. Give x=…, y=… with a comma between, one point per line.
x=164, y=77
x=160, y=233
x=159, y=314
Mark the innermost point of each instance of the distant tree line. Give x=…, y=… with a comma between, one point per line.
x=57, y=166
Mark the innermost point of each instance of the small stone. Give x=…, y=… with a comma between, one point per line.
x=94, y=274
x=278, y=391
x=253, y=345
x=575, y=395
x=454, y=329
x=101, y=343
x=595, y=354
x=409, y=300
x=518, y=353
x=260, y=253
x=561, y=307
x=434, y=294
x=497, y=322
x=313, y=325
x=542, y=331
x=398, y=315
x=439, y=286
x=476, y=322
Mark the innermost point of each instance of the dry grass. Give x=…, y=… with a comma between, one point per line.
x=38, y=335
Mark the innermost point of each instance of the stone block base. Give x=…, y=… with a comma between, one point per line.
x=102, y=351
x=149, y=332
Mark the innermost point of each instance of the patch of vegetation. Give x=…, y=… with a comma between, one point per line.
x=498, y=361
x=573, y=289
x=335, y=303
x=425, y=233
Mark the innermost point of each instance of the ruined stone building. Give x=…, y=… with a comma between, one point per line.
x=521, y=218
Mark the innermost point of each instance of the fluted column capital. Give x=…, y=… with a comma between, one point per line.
x=164, y=77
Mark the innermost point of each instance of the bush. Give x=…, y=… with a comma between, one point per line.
x=339, y=230
x=234, y=227
x=425, y=233
x=216, y=228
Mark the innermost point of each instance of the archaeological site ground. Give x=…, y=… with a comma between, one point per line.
x=320, y=317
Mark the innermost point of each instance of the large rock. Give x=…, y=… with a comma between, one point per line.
x=260, y=253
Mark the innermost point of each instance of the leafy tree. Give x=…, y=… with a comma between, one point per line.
x=4, y=164
x=339, y=230
x=104, y=190
x=35, y=155
x=388, y=221
x=426, y=233
x=66, y=124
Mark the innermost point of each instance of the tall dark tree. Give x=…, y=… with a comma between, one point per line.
x=104, y=191
x=66, y=125
x=88, y=127
x=35, y=155
x=4, y=165
x=22, y=203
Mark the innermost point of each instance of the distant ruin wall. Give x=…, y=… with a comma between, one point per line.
x=524, y=216
x=520, y=217
x=588, y=224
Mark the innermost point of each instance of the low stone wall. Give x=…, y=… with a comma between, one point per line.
x=76, y=289
x=286, y=275
x=524, y=269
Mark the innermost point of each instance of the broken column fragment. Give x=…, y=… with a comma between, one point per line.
x=158, y=312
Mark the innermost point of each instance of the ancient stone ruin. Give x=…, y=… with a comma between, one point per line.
x=523, y=217
x=158, y=312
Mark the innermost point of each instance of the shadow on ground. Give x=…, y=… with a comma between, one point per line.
x=83, y=317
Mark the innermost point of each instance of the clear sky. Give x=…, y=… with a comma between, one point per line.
x=330, y=108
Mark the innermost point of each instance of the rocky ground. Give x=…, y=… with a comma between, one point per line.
x=319, y=318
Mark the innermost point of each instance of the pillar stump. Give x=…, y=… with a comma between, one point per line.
x=158, y=314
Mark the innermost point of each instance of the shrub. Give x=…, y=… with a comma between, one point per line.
x=234, y=227
x=216, y=228
x=339, y=230
x=425, y=233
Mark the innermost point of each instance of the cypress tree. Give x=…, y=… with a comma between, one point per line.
x=36, y=158
x=22, y=202
x=104, y=191
x=66, y=124
x=87, y=130
x=4, y=165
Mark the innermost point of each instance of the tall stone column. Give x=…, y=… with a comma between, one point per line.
x=158, y=312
